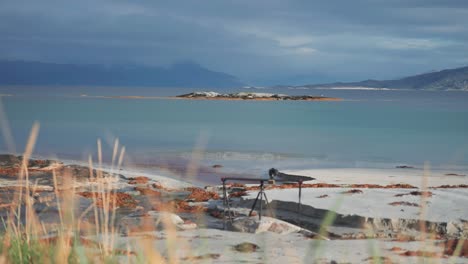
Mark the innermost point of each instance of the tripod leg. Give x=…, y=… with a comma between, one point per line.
x=254, y=204
x=226, y=208
x=261, y=193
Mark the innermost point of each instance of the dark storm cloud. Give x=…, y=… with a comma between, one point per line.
x=260, y=41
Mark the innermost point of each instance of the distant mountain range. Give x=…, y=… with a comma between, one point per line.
x=192, y=75
x=451, y=79
x=178, y=75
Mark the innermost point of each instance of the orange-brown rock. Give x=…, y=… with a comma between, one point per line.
x=368, y=186
x=9, y=171
x=238, y=194
x=400, y=186
x=238, y=185
x=138, y=180
x=200, y=195
x=320, y=185
x=121, y=199
x=396, y=249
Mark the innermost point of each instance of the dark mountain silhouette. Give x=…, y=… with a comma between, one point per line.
x=450, y=79
x=178, y=75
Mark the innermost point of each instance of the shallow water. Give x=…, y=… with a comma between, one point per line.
x=378, y=129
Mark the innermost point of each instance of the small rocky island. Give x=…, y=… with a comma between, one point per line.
x=253, y=96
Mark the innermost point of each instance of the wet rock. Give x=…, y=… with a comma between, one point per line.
x=423, y=193
x=323, y=196
x=158, y=186
x=352, y=191
x=404, y=203
x=404, y=167
x=216, y=214
x=455, y=174
x=201, y=257
x=377, y=259
x=246, y=247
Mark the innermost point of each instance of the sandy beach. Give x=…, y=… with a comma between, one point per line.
x=377, y=215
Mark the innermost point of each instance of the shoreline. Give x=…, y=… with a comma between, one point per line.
x=211, y=170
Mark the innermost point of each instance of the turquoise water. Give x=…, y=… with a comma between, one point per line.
x=369, y=129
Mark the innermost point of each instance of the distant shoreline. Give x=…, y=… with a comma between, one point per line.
x=222, y=97
x=253, y=97
x=256, y=99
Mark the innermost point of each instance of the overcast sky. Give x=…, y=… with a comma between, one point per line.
x=261, y=42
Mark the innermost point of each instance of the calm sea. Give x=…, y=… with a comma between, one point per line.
x=378, y=129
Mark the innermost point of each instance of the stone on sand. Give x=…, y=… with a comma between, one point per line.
x=254, y=225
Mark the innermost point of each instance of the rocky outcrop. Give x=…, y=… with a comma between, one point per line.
x=253, y=96
x=10, y=165
x=311, y=218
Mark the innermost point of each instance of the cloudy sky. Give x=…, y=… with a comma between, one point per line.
x=261, y=42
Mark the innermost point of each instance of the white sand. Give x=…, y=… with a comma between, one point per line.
x=415, y=177
x=445, y=204
x=274, y=248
